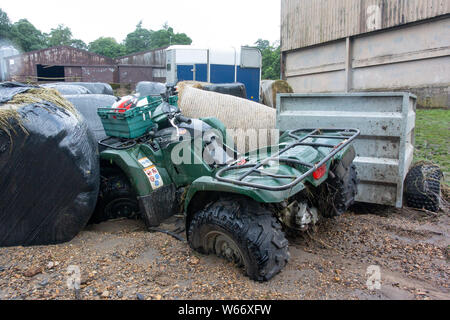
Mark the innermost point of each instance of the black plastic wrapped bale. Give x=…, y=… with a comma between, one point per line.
x=93, y=87
x=49, y=171
x=68, y=89
x=10, y=89
x=147, y=88
x=233, y=89
x=87, y=106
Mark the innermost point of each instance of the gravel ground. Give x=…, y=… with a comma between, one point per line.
x=120, y=260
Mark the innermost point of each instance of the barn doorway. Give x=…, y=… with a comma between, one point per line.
x=50, y=73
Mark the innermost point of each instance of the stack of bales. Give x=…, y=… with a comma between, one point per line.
x=87, y=97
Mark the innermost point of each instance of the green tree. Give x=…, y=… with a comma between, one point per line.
x=142, y=39
x=107, y=47
x=271, y=59
x=138, y=40
x=166, y=36
x=262, y=44
x=5, y=25
x=79, y=44
x=27, y=37
x=62, y=36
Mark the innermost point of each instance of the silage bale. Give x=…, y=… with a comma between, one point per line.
x=233, y=89
x=147, y=88
x=68, y=89
x=241, y=115
x=87, y=106
x=270, y=89
x=93, y=87
x=49, y=168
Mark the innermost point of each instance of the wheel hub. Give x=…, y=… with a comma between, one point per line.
x=124, y=208
x=223, y=246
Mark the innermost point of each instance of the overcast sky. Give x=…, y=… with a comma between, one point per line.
x=208, y=22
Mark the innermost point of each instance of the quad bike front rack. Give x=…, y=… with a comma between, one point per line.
x=343, y=136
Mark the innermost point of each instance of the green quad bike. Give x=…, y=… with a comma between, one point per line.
x=235, y=206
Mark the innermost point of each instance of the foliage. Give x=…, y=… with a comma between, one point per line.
x=107, y=47
x=5, y=25
x=62, y=36
x=79, y=44
x=142, y=39
x=166, y=37
x=26, y=36
x=138, y=40
x=271, y=59
x=432, y=136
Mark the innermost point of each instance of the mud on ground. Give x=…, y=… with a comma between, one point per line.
x=121, y=260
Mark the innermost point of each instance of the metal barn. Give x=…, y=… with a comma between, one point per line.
x=65, y=63
x=62, y=63
x=368, y=45
x=143, y=66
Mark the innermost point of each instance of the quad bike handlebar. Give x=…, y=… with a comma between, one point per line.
x=180, y=118
x=346, y=135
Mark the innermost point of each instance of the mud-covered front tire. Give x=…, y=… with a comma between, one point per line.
x=243, y=232
x=338, y=193
x=116, y=199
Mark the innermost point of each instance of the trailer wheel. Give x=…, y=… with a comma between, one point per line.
x=242, y=232
x=423, y=187
x=337, y=194
x=116, y=200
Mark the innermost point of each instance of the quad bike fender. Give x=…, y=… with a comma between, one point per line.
x=128, y=162
x=210, y=184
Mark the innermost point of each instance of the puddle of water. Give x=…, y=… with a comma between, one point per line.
x=149, y=256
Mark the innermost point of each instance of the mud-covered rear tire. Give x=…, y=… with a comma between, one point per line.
x=243, y=232
x=338, y=193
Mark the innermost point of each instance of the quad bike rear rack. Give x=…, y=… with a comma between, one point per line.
x=123, y=143
x=346, y=135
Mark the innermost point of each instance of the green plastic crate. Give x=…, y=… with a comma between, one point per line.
x=132, y=123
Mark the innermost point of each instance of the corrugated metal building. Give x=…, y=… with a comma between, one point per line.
x=368, y=45
x=61, y=63
x=143, y=66
x=66, y=63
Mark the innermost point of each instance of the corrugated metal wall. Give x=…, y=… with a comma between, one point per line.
x=134, y=74
x=155, y=58
x=414, y=58
x=149, y=66
x=23, y=66
x=310, y=22
x=81, y=65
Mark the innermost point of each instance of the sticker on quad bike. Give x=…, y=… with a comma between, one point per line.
x=145, y=162
x=154, y=177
